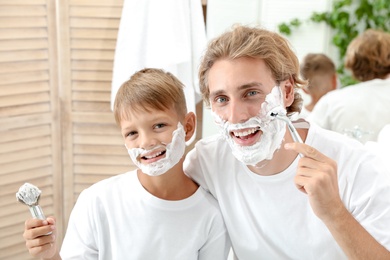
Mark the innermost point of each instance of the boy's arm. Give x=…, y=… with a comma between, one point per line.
x=38, y=242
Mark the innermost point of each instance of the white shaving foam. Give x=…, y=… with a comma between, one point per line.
x=273, y=130
x=174, y=151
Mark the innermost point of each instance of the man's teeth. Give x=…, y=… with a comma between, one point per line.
x=153, y=156
x=245, y=133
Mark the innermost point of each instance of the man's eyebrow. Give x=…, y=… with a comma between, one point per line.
x=242, y=87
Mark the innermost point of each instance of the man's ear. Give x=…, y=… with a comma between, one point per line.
x=288, y=92
x=189, y=125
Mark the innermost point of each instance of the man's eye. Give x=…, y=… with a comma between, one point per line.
x=220, y=99
x=252, y=93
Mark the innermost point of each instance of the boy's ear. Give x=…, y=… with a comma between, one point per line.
x=189, y=125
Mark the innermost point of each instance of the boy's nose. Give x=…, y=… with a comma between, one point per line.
x=148, y=141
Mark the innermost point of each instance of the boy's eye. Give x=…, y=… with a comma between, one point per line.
x=161, y=125
x=131, y=133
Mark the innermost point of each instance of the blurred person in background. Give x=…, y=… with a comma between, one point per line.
x=361, y=110
x=320, y=71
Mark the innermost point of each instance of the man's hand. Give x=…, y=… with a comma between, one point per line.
x=317, y=177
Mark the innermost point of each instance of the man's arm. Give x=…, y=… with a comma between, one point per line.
x=317, y=177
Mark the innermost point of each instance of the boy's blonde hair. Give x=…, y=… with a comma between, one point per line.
x=368, y=55
x=257, y=43
x=150, y=89
x=318, y=68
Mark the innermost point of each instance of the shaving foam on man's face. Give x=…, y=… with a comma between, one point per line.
x=174, y=151
x=272, y=131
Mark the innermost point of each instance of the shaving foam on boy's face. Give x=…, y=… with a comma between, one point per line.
x=272, y=131
x=174, y=151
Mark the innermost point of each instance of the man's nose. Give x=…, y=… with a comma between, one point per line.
x=238, y=112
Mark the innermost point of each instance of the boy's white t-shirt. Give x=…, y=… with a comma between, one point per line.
x=118, y=219
x=267, y=217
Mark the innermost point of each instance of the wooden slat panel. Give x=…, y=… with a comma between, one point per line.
x=22, y=2
x=96, y=129
x=94, y=86
x=92, y=76
x=96, y=2
x=25, y=144
x=109, y=34
x=77, y=22
x=25, y=110
x=102, y=12
x=22, y=11
x=23, y=44
x=96, y=139
x=101, y=169
x=26, y=165
x=100, y=118
x=89, y=179
x=24, y=99
x=94, y=44
x=23, y=66
x=101, y=160
x=28, y=33
x=12, y=56
x=26, y=22
x=33, y=87
x=16, y=251
x=28, y=77
x=26, y=154
x=91, y=96
x=11, y=123
x=91, y=106
x=100, y=149
x=12, y=183
x=25, y=133
x=93, y=55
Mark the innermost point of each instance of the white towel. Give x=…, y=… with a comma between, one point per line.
x=167, y=34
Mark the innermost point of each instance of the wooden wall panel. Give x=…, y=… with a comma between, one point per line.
x=57, y=130
x=30, y=147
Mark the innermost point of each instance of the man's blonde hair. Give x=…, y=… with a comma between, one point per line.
x=368, y=55
x=150, y=89
x=257, y=43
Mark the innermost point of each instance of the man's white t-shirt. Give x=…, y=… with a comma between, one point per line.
x=267, y=217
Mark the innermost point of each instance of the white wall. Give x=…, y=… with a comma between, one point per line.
x=221, y=14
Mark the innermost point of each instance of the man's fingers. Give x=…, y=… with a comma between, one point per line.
x=306, y=151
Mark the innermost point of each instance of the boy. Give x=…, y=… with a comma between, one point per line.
x=327, y=198
x=320, y=71
x=156, y=211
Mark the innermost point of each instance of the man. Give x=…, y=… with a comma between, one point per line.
x=325, y=199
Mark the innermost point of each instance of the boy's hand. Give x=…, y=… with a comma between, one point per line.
x=38, y=242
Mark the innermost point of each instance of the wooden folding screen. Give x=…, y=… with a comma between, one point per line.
x=56, y=127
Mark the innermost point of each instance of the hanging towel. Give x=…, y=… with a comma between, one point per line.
x=165, y=34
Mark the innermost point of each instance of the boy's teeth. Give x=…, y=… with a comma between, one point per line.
x=153, y=156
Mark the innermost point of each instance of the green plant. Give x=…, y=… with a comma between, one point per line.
x=347, y=18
